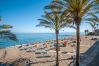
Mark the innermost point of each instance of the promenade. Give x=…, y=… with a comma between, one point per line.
x=91, y=56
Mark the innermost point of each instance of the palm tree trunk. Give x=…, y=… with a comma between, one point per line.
x=57, y=62
x=78, y=45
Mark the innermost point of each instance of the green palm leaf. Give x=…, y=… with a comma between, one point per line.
x=6, y=34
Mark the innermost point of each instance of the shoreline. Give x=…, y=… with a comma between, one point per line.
x=32, y=43
x=39, y=53
x=26, y=40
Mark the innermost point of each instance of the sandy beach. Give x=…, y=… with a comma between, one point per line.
x=44, y=54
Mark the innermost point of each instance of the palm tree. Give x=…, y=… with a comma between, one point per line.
x=86, y=32
x=5, y=33
x=55, y=20
x=77, y=9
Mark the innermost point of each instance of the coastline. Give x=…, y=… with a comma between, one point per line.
x=47, y=51
x=28, y=38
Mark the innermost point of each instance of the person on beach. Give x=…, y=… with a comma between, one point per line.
x=65, y=43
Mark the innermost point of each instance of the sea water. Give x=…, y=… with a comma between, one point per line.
x=27, y=38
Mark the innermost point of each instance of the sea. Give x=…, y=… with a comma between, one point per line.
x=30, y=38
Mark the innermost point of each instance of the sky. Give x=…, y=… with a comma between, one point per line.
x=23, y=15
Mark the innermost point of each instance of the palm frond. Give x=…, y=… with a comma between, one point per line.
x=5, y=26
x=7, y=34
x=86, y=9
x=12, y=37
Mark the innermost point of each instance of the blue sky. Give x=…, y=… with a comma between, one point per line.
x=23, y=15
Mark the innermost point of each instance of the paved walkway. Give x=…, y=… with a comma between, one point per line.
x=95, y=61
x=91, y=55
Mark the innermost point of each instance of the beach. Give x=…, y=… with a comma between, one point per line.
x=44, y=54
x=30, y=38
